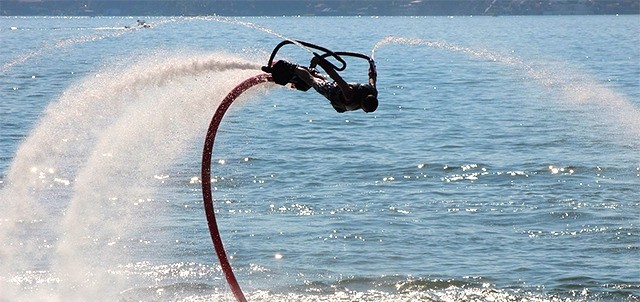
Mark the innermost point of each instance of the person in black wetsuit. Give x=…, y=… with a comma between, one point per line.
x=342, y=95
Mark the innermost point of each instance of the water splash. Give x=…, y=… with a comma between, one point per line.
x=477, y=53
x=251, y=25
x=81, y=39
x=235, y=21
x=381, y=289
x=88, y=169
x=602, y=104
x=65, y=43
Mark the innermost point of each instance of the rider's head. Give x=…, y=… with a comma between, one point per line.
x=370, y=103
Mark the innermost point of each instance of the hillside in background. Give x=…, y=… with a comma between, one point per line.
x=315, y=7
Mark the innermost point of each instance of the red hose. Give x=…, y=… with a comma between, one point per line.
x=206, y=178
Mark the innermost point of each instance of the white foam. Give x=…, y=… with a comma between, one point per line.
x=77, y=180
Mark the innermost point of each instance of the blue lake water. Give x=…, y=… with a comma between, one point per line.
x=503, y=163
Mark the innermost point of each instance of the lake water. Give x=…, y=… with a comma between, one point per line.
x=503, y=163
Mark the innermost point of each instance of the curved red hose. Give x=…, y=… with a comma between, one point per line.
x=206, y=178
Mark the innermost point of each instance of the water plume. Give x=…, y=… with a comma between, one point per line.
x=82, y=182
x=68, y=42
x=602, y=105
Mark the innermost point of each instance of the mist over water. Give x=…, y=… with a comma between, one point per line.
x=106, y=33
x=83, y=181
x=601, y=104
x=512, y=202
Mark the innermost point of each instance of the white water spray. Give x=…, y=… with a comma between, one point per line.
x=116, y=32
x=252, y=25
x=80, y=39
x=83, y=181
x=603, y=104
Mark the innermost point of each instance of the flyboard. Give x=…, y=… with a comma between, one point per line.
x=279, y=74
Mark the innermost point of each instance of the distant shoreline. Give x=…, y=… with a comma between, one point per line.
x=317, y=7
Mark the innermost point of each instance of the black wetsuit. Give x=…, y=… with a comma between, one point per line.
x=333, y=93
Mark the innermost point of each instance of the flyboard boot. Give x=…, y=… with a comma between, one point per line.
x=284, y=73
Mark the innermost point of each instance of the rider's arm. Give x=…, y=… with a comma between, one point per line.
x=344, y=87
